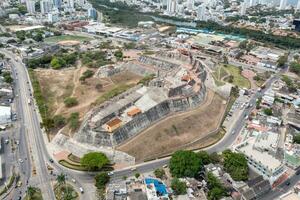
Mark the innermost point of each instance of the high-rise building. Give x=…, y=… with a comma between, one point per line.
x=171, y=6
x=92, y=13
x=243, y=8
x=53, y=17
x=30, y=5
x=298, y=5
x=201, y=12
x=252, y=3
x=57, y=4
x=190, y=4
x=282, y=5
x=45, y=6
x=71, y=3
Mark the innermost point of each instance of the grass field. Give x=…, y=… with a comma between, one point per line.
x=219, y=75
x=238, y=79
x=56, y=39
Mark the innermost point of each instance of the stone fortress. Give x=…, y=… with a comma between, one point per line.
x=178, y=86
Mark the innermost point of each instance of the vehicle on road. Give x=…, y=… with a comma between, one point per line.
x=81, y=190
x=6, y=141
x=29, y=101
x=73, y=180
x=17, y=142
x=133, y=169
x=110, y=173
x=51, y=160
x=20, y=160
x=19, y=183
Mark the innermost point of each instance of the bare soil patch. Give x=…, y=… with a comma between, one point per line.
x=173, y=132
x=59, y=84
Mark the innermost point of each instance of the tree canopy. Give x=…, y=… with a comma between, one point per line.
x=185, y=164
x=101, y=180
x=216, y=189
x=236, y=165
x=179, y=187
x=296, y=138
x=94, y=160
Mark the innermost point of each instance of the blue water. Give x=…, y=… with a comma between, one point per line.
x=159, y=186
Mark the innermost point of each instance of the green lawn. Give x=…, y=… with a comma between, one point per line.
x=238, y=79
x=218, y=75
x=56, y=39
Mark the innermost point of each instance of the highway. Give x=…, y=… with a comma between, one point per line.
x=30, y=134
x=32, y=138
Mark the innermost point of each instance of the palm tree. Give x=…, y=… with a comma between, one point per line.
x=30, y=192
x=61, y=179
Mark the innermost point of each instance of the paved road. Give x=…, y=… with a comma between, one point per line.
x=30, y=133
x=34, y=140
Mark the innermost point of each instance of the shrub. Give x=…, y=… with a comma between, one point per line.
x=70, y=101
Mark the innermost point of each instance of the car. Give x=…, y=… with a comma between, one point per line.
x=233, y=132
x=17, y=142
x=6, y=141
x=19, y=183
x=51, y=160
x=81, y=190
x=20, y=160
x=110, y=173
x=133, y=169
x=165, y=166
x=73, y=180
x=288, y=183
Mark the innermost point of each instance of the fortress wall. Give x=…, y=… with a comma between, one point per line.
x=97, y=138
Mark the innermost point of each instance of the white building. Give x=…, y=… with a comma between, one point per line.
x=260, y=153
x=190, y=4
x=243, y=8
x=201, y=12
x=45, y=6
x=171, y=6
x=53, y=17
x=298, y=5
x=252, y=3
x=283, y=4
x=5, y=114
x=30, y=5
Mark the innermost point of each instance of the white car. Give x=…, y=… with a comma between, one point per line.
x=73, y=180
x=110, y=173
x=20, y=160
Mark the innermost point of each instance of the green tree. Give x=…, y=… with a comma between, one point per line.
x=59, y=121
x=160, y=173
x=268, y=111
x=214, y=157
x=70, y=102
x=204, y=157
x=94, y=160
x=179, y=187
x=119, y=55
x=101, y=180
x=216, y=189
x=295, y=67
x=30, y=192
x=236, y=165
x=137, y=175
x=185, y=164
x=21, y=35
x=38, y=37
x=74, y=120
x=61, y=179
x=57, y=63
x=282, y=60
x=22, y=9
x=296, y=138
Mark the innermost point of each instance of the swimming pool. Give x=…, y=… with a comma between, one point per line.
x=159, y=186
